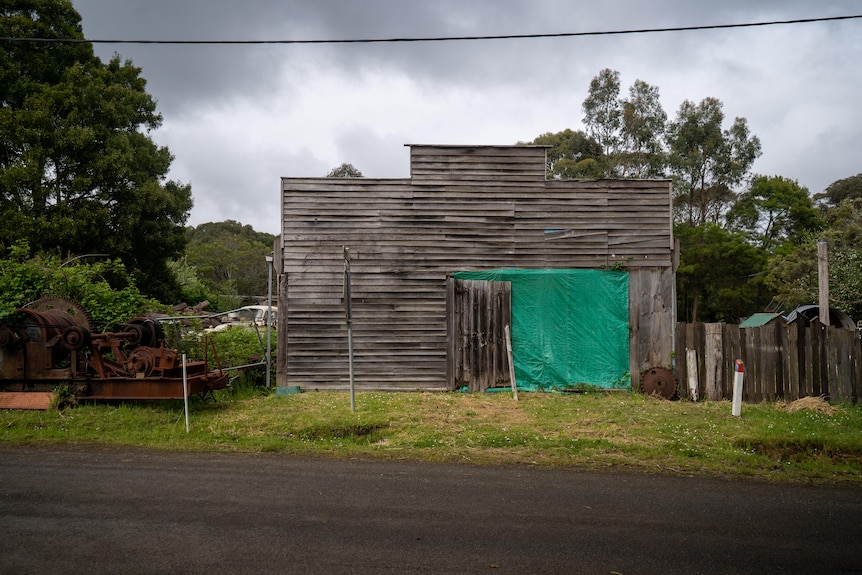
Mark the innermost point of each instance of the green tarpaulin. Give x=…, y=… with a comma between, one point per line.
x=570, y=328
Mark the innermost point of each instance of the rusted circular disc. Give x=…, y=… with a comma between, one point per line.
x=75, y=337
x=151, y=331
x=54, y=304
x=659, y=381
x=141, y=362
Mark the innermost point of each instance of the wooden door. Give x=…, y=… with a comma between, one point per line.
x=477, y=315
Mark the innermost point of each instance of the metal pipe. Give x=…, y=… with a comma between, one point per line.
x=823, y=281
x=348, y=312
x=186, y=392
x=268, y=317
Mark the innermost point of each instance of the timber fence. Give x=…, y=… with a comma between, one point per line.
x=782, y=362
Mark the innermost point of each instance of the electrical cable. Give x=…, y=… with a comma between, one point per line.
x=443, y=38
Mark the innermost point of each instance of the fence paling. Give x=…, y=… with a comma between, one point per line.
x=781, y=361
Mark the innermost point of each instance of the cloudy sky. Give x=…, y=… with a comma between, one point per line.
x=238, y=117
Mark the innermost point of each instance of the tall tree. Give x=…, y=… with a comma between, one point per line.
x=629, y=130
x=708, y=162
x=603, y=116
x=79, y=172
x=774, y=210
x=840, y=190
x=642, y=129
x=719, y=277
x=571, y=155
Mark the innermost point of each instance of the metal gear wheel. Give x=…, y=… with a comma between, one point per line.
x=55, y=303
x=659, y=381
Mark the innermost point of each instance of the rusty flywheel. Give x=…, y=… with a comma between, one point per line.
x=72, y=308
x=659, y=381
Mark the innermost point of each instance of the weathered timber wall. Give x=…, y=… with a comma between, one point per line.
x=462, y=209
x=781, y=361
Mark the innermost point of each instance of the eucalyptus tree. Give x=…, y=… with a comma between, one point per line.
x=707, y=161
x=603, y=115
x=628, y=130
x=641, y=132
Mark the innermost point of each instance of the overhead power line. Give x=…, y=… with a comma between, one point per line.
x=442, y=38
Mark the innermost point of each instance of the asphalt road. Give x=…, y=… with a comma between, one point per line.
x=92, y=510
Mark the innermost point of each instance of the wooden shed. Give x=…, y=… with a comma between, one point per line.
x=463, y=209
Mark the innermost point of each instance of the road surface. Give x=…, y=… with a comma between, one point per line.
x=115, y=510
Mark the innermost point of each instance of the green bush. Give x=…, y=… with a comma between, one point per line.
x=104, y=288
x=232, y=347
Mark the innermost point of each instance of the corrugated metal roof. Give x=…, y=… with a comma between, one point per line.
x=759, y=319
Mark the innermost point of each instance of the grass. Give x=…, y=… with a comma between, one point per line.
x=588, y=431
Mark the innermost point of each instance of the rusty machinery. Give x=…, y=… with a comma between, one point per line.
x=51, y=342
x=659, y=381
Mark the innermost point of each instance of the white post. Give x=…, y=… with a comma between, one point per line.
x=691, y=368
x=186, y=392
x=511, y=363
x=738, y=374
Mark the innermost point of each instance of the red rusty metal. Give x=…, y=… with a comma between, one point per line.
x=37, y=400
x=50, y=343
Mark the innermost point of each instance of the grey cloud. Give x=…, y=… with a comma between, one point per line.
x=788, y=81
x=181, y=75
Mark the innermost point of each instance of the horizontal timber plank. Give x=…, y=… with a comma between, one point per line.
x=463, y=209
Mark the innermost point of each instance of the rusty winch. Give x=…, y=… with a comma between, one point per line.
x=51, y=342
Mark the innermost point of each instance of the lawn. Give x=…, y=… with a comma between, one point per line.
x=818, y=443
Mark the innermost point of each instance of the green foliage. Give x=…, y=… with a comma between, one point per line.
x=571, y=155
x=57, y=19
x=229, y=259
x=63, y=397
x=344, y=171
x=719, y=277
x=628, y=130
x=22, y=279
x=793, y=272
x=602, y=114
x=240, y=345
x=79, y=172
x=192, y=289
x=229, y=348
x=774, y=210
x=840, y=190
x=643, y=126
x=103, y=288
x=707, y=161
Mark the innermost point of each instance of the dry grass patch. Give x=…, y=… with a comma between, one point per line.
x=816, y=404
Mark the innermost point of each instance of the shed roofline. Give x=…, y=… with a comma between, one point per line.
x=411, y=178
x=475, y=146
